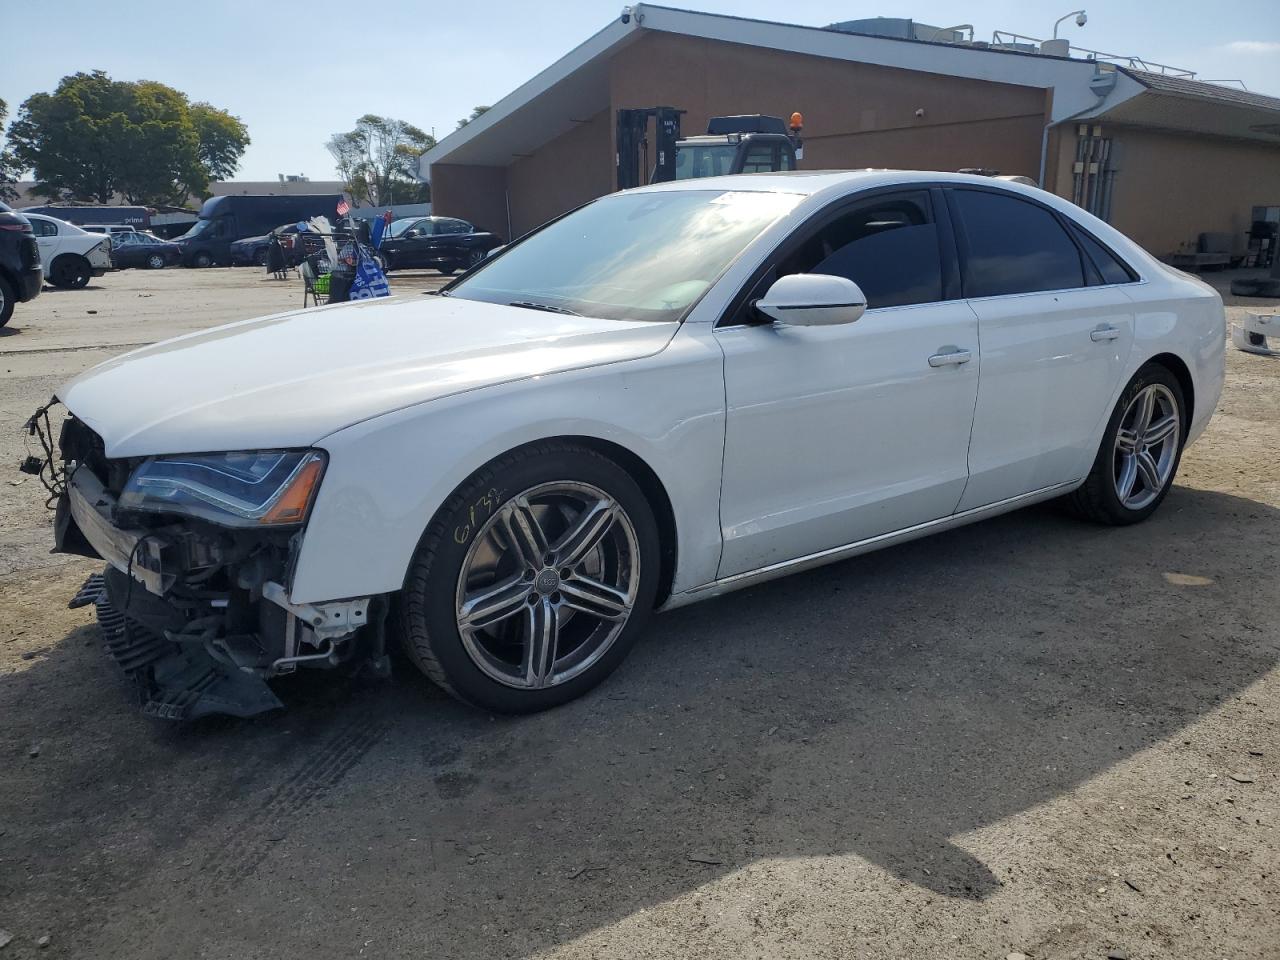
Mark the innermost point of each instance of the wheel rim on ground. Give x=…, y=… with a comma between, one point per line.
x=1146, y=446
x=156, y=261
x=547, y=585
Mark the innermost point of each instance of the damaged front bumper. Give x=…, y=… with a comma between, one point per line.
x=198, y=617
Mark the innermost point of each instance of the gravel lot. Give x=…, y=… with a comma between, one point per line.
x=1031, y=736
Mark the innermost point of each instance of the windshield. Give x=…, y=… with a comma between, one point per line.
x=630, y=256
x=197, y=228
x=694, y=160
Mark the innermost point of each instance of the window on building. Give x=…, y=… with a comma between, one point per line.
x=1012, y=246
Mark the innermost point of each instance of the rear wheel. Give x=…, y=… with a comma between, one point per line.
x=474, y=257
x=71, y=271
x=202, y=259
x=533, y=580
x=1140, y=451
x=155, y=261
x=7, y=301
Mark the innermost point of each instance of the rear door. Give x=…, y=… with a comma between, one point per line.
x=1055, y=340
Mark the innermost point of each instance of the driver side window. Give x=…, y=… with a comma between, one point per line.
x=887, y=245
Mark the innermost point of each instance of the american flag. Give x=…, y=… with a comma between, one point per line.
x=343, y=207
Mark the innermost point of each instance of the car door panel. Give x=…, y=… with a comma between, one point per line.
x=1051, y=364
x=1051, y=358
x=837, y=434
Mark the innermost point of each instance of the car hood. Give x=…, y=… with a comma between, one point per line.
x=290, y=380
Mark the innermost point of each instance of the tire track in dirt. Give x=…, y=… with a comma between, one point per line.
x=251, y=841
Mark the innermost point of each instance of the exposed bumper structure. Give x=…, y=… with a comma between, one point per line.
x=1251, y=336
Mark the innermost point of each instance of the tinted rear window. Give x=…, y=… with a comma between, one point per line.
x=1110, y=267
x=1013, y=246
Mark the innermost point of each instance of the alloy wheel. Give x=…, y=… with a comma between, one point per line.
x=1146, y=447
x=155, y=261
x=548, y=584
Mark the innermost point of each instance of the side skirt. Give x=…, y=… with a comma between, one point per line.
x=834, y=554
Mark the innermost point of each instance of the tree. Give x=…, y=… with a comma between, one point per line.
x=9, y=165
x=223, y=139
x=475, y=112
x=379, y=160
x=94, y=138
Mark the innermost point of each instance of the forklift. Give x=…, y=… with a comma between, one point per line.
x=752, y=143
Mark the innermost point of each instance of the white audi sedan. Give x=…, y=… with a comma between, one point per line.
x=666, y=394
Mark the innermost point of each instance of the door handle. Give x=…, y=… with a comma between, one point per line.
x=1104, y=333
x=955, y=357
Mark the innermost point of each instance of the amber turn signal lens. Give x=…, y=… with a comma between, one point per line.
x=293, y=503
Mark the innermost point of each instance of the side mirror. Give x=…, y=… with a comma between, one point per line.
x=410, y=234
x=813, y=300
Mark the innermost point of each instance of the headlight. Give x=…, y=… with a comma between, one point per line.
x=255, y=488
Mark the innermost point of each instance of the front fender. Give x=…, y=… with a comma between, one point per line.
x=388, y=476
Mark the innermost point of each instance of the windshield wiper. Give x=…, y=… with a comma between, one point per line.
x=549, y=308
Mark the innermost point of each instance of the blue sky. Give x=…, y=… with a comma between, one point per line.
x=297, y=72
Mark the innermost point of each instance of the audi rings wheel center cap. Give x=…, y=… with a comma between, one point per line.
x=548, y=582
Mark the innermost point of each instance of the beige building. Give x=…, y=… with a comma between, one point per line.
x=1162, y=156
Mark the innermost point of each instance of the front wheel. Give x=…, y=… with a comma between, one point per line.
x=203, y=259
x=1140, y=451
x=533, y=580
x=7, y=299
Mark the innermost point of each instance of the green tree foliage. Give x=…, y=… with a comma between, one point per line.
x=379, y=160
x=9, y=165
x=222, y=140
x=95, y=137
x=475, y=112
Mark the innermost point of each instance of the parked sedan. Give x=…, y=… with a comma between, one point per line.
x=447, y=244
x=71, y=256
x=140, y=249
x=670, y=393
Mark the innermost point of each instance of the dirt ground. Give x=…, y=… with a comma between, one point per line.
x=1029, y=736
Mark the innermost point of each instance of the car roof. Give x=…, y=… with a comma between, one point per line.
x=809, y=182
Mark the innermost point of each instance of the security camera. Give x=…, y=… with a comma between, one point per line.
x=1081, y=19
x=626, y=14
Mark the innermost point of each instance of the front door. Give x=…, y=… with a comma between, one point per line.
x=842, y=433
x=1055, y=340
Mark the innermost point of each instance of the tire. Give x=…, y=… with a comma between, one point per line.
x=155, y=261
x=202, y=260
x=489, y=665
x=70, y=271
x=449, y=270
x=1101, y=497
x=474, y=257
x=8, y=300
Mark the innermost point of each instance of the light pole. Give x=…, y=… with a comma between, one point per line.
x=1081, y=19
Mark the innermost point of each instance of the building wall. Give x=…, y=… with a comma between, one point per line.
x=1169, y=188
x=565, y=173
x=478, y=194
x=856, y=115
